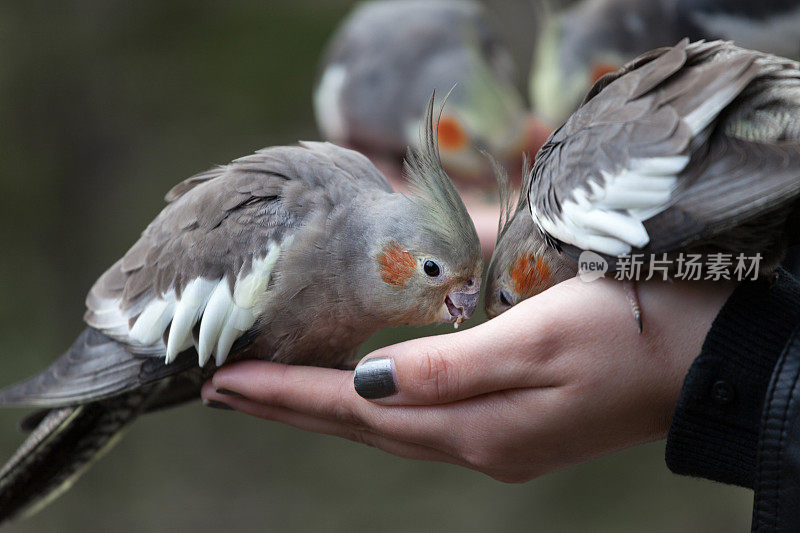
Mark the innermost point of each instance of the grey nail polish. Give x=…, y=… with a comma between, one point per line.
x=214, y=404
x=374, y=378
x=230, y=393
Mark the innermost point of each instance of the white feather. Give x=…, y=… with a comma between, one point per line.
x=242, y=319
x=609, y=217
x=219, y=307
x=223, y=316
x=248, y=291
x=634, y=199
x=227, y=336
x=155, y=318
x=249, y=288
x=107, y=316
x=328, y=105
x=188, y=310
x=703, y=114
x=658, y=166
x=608, y=224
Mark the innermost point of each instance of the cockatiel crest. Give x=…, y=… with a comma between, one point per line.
x=294, y=254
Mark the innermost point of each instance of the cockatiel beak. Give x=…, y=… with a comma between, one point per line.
x=461, y=304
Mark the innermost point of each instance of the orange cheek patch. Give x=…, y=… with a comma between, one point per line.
x=396, y=265
x=450, y=134
x=601, y=69
x=527, y=273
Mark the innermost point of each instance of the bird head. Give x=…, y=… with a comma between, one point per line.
x=387, y=57
x=428, y=260
x=484, y=114
x=524, y=263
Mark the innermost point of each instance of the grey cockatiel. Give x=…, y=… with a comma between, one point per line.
x=294, y=254
x=387, y=57
x=523, y=263
x=593, y=37
x=693, y=148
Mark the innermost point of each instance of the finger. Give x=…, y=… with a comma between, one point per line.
x=306, y=422
x=324, y=393
x=329, y=394
x=446, y=368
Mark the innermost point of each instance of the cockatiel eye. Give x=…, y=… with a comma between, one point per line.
x=504, y=298
x=431, y=268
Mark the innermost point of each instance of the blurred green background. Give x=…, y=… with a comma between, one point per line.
x=105, y=105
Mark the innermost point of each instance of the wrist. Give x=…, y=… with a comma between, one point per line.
x=715, y=428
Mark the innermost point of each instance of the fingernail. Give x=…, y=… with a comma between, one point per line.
x=227, y=392
x=214, y=404
x=374, y=378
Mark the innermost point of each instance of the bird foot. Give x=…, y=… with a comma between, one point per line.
x=629, y=286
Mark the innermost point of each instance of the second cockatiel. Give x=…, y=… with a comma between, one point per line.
x=295, y=254
x=693, y=148
x=387, y=57
x=593, y=37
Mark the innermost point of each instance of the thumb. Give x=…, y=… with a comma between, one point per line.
x=442, y=369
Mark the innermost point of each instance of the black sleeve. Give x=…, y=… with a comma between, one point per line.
x=717, y=421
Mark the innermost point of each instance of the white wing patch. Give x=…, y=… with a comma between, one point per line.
x=328, y=105
x=222, y=317
x=609, y=218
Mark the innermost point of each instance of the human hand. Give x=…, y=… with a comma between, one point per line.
x=560, y=379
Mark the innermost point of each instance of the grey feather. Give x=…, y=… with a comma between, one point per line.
x=58, y=451
x=748, y=146
x=94, y=368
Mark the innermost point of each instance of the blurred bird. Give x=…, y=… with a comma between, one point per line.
x=693, y=148
x=294, y=254
x=387, y=57
x=595, y=37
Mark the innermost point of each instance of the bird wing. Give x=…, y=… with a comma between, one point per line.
x=95, y=367
x=199, y=273
x=641, y=163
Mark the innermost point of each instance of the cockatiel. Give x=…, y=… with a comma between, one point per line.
x=387, y=57
x=294, y=254
x=693, y=148
x=523, y=263
x=594, y=37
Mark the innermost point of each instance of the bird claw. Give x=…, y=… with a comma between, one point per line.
x=633, y=299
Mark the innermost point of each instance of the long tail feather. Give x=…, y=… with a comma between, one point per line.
x=64, y=444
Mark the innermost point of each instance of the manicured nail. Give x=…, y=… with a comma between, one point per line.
x=231, y=393
x=214, y=404
x=374, y=378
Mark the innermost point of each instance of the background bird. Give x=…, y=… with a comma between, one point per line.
x=383, y=62
x=386, y=58
x=687, y=149
x=294, y=254
x=593, y=37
